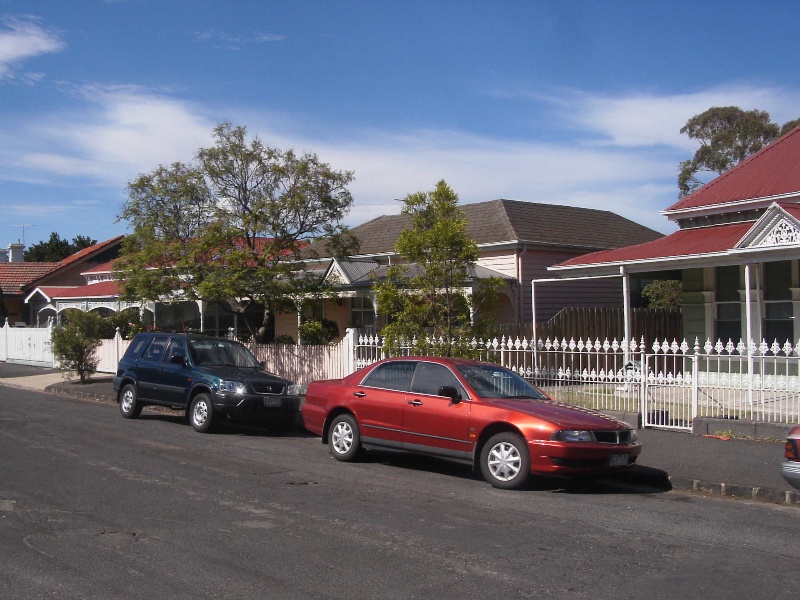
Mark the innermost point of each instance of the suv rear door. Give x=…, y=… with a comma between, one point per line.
x=148, y=367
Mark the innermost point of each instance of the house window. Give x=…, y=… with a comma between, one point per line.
x=778, y=322
x=728, y=322
x=361, y=312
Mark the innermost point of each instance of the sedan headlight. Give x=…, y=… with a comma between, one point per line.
x=570, y=435
x=232, y=387
x=296, y=390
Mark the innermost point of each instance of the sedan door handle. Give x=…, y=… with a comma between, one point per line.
x=359, y=394
x=415, y=402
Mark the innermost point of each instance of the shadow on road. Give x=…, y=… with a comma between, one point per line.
x=636, y=480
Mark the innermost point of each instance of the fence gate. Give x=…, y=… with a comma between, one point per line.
x=668, y=395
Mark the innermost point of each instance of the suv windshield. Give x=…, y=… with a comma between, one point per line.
x=221, y=353
x=497, y=382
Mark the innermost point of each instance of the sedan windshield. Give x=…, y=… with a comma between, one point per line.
x=496, y=382
x=221, y=353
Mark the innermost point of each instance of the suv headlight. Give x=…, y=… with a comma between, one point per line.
x=232, y=387
x=569, y=435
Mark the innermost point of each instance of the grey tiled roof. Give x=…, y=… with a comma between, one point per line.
x=514, y=220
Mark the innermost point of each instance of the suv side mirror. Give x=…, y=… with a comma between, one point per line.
x=448, y=391
x=178, y=359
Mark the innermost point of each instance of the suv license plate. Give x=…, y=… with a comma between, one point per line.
x=277, y=402
x=619, y=460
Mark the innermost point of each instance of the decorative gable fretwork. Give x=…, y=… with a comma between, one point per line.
x=782, y=233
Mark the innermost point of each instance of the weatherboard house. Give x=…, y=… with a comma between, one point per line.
x=737, y=252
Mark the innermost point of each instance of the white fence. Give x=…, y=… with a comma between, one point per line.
x=26, y=345
x=34, y=346
x=303, y=364
x=669, y=384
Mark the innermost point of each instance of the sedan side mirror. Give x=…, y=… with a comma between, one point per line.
x=448, y=391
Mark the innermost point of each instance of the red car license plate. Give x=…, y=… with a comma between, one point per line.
x=277, y=402
x=619, y=460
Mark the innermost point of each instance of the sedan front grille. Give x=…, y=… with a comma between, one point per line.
x=613, y=437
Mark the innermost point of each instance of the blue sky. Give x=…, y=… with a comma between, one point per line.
x=576, y=103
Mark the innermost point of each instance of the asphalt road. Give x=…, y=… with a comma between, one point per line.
x=95, y=506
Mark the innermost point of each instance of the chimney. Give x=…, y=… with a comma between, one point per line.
x=15, y=252
x=3, y=255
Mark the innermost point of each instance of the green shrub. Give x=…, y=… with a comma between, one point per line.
x=318, y=332
x=75, y=343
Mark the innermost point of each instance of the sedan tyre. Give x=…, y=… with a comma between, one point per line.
x=344, y=439
x=201, y=413
x=129, y=405
x=505, y=462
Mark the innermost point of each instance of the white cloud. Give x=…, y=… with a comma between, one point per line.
x=128, y=130
x=650, y=119
x=628, y=164
x=22, y=39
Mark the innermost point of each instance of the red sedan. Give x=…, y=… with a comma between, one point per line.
x=471, y=412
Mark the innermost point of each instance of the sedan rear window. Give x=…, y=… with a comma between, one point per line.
x=392, y=376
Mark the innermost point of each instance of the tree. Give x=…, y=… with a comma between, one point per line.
x=426, y=298
x=663, y=293
x=233, y=226
x=55, y=249
x=727, y=136
x=75, y=343
x=170, y=210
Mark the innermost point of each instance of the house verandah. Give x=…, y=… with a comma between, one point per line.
x=737, y=255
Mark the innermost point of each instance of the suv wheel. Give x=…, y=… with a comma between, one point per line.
x=129, y=405
x=201, y=413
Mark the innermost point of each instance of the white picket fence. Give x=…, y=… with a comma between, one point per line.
x=34, y=346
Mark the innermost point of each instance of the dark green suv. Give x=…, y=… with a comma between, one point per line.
x=205, y=376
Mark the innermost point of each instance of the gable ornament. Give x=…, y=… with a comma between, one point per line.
x=783, y=233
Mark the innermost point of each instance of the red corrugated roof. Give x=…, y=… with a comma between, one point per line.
x=686, y=242
x=771, y=172
x=107, y=267
x=104, y=289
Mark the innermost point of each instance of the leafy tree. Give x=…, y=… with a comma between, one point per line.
x=170, y=210
x=233, y=226
x=425, y=299
x=55, y=249
x=727, y=136
x=663, y=293
x=75, y=343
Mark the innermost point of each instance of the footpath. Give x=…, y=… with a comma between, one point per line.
x=736, y=468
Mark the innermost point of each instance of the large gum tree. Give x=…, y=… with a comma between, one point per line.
x=234, y=227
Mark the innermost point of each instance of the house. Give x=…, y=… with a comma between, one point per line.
x=516, y=240
x=20, y=279
x=736, y=251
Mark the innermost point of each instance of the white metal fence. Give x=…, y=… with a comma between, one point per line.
x=669, y=384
